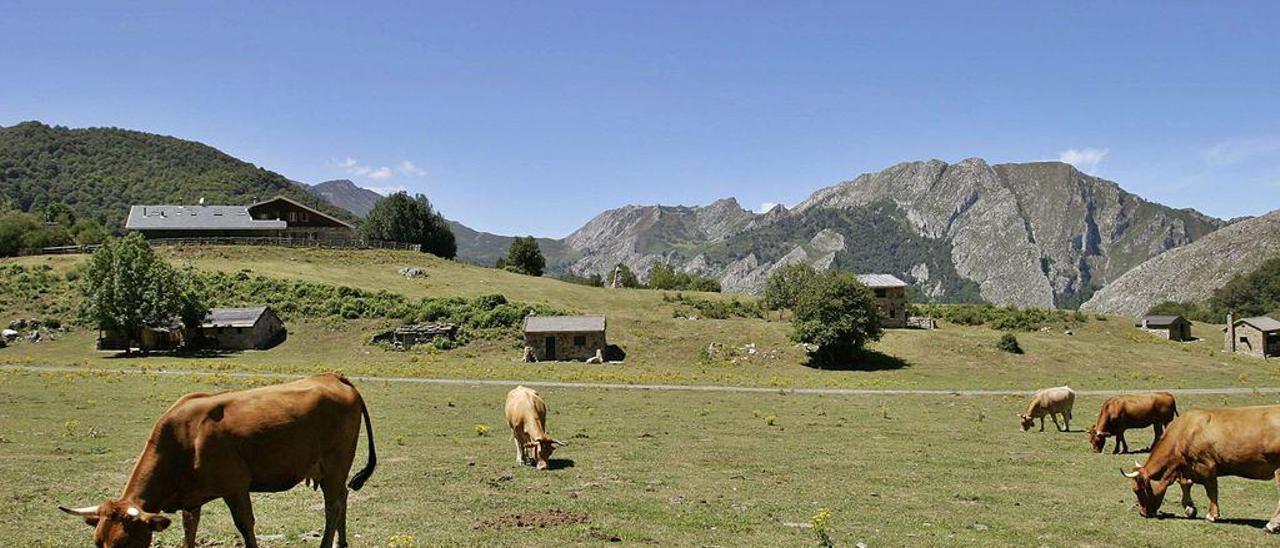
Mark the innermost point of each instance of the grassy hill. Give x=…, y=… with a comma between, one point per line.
x=660, y=347
x=100, y=172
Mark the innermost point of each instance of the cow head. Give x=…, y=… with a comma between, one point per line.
x=1097, y=439
x=1026, y=422
x=542, y=449
x=118, y=524
x=1150, y=492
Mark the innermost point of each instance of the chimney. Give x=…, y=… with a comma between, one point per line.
x=1231, y=330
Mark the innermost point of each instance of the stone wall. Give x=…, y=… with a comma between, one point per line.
x=566, y=347
x=893, y=306
x=1252, y=342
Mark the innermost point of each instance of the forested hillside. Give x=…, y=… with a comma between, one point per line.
x=100, y=172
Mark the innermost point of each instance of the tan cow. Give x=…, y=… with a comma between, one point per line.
x=1205, y=444
x=226, y=445
x=527, y=416
x=1051, y=402
x=1121, y=413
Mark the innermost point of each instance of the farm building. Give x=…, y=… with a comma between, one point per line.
x=240, y=329
x=891, y=297
x=278, y=217
x=1258, y=336
x=552, y=338
x=1174, y=328
x=147, y=339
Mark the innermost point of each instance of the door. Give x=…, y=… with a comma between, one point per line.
x=550, y=353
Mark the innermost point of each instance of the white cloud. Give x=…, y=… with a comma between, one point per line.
x=354, y=168
x=1085, y=159
x=767, y=207
x=1237, y=151
x=406, y=167
x=380, y=174
x=388, y=190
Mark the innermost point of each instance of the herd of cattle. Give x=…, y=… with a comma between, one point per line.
x=269, y=439
x=1197, y=448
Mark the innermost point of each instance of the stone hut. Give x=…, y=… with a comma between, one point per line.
x=1258, y=336
x=1174, y=328
x=147, y=339
x=552, y=338
x=891, y=297
x=256, y=328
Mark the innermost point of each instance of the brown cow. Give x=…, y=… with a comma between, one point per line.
x=1206, y=444
x=226, y=445
x=527, y=415
x=1051, y=402
x=1136, y=411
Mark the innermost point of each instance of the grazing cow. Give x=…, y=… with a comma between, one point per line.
x=1205, y=444
x=226, y=445
x=527, y=415
x=1132, y=412
x=1052, y=402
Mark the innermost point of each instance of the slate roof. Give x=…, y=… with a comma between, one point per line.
x=197, y=217
x=1158, y=321
x=1263, y=323
x=881, y=280
x=233, y=317
x=563, y=324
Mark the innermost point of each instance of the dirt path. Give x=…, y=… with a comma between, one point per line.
x=655, y=387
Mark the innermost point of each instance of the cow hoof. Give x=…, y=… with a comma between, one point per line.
x=1272, y=528
x=1190, y=511
x=1211, y=518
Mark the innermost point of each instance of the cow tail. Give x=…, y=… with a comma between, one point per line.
x=363, y=475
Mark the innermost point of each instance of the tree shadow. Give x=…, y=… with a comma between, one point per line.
x=559, y=464
x=200, y=353
x=864, y=360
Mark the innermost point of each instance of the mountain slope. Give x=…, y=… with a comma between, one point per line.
x=100, y=172
x=1037, y=234
x=345, y=194
x=1191, y=273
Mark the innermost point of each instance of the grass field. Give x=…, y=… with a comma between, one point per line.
x=658, y=468
x=661, y=348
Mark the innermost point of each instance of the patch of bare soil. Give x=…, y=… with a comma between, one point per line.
x=533, y=520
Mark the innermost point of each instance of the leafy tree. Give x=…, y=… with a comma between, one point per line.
x=786, y=284
x=626, y=276
x=662, y=276
x=14, y=226
x=837, y=314
x=524, y=257
x=399, y=218
x=86, y=232
x=1254, y=294
x=127, y=288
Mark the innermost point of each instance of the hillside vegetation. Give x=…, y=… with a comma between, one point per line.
x=100, y=172
x=652, y=328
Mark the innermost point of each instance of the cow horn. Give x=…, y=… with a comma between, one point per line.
x=1137, y=464
x=1129, y=475
x=86, y=511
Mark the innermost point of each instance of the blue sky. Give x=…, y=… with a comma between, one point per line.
x=532, y=117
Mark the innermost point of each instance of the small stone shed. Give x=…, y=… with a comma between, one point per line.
x=255, y=328
x=408, y=336
x=147, y=339
x=1174, y=328
x=1259, y=336
x=561, y=338
x=891, y=297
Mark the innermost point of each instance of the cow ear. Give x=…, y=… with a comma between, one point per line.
x=156, y=522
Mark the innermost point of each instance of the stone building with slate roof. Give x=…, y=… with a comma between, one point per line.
x=1174, y=328
x=1259, y=336
x=559, y=338
x=256, y=328
x=891, y=297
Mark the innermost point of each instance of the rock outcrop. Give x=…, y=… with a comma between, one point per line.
x=1191, y=273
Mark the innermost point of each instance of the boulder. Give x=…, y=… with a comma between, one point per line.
x=412, y=272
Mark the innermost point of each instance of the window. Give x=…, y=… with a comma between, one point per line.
x=305, y=216
x=880, y=293
x=579, y=340
x=293, y=216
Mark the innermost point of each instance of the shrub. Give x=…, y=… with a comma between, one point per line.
x=714, y=309
x=1009, y=343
